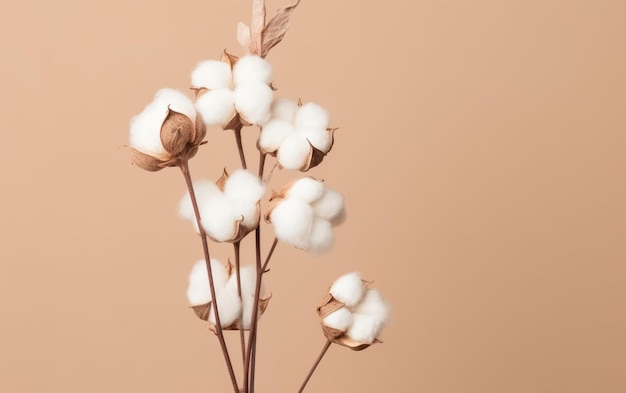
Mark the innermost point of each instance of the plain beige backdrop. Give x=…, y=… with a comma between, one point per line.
x=481, y=153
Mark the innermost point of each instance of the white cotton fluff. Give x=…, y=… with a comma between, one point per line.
x=216, y=107
x=211, y=74
x=219, y=218
x=247, y=212
x=329, y=206
x=284, y=109
x=228, y=305
x=311, y=115
x=294, y=152
x=199, y=291
x=321, y=238
x=348, y=289
x=203, y=189
x=320, y=139
x=364, y=328
x=307, y=189
x=242, y=184
x=176, y=101
x=253, y=102
x=274, y=132
x=340, y=319
x=373, y=305
x=252, y=69
x=248, y=286
x=292, y=220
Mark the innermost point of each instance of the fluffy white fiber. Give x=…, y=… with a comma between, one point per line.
x=211, y=74
x=284, y=109
x=145, y=128
x=248, y=284
x=373, y=305
x=348, y=289
x=228, y=305
x=340, y=319
x=252, y=69
x=219, y=217
x=364, y=328
x=253, y=102
x=292, y=220
x=321, y=238
x=216, y=107
x=198, y=291
x=307, y=188
x=329, y=206
x=203, y=190
x=320, y=139
x=294, y=152
x=274, y=132
x=242, y=184
x=313, y=116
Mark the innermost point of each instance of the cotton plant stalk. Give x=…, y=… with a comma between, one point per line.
x=236, y=93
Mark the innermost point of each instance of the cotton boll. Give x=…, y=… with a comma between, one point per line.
x=274, y=132
x=329, y=206
x=313, y=116
x=340, y=319
x=348, y=289
x=252, y=69
x=199, y=291
x=284, y=109
x=145, y=130
x=211, y=74
x=243, y=185
x=307, y=189
x=294, y=152
x=364, y=328
x=216, y=107
x=253, y=101
x=292, y=220
x=228, y=305
x=176, y=101
x=246, y=210
x=219, y=218
x=373, y=305
x=320, y=139
x=321, y=238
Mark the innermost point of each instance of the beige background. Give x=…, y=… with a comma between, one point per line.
x=481, y=153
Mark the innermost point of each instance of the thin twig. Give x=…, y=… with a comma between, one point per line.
x=242, y=338
x=269, y=255
x=242, y=155
x=184, y=167
x=319, y=359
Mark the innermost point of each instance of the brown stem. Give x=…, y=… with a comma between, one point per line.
x=242, y=338
x=242, y=155
x=261, y=165
x=184, y=167
x=251, y=354
x=319, y=359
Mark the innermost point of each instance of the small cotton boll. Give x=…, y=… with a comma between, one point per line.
x=199, y=291
x=348, y=289
x=252, y=69
x=340, y=319
x=329, y=206
x=219, y=218
x=294, y=152
x=307, y=189
x=273, y=133
x=284, y=109
x=216, y=107
x=228, y=305
x=253, y=102
x=321, y=238
x=211, y=74
x=320, y=139
x=374, y=305
x=364, y=328
x=243, y=185
x=292, y=220
x=176, y=101
x=145, y=130
x=313, y=116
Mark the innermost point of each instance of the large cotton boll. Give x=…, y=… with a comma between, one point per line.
x=211, y=74
x=313, y=116
x=176, y=101
x=219, y=218
x=374, y=305
x=364, y=328
x=307, y=189
x=284, y=109
x=294, y=152
x=340, y=319
x=320, y=139
x=348, y=289
x=145, y=130
x=243, y=185
x=253, y=102
x=321, y=238
x=199, y=291
x=216, y=107
x=203, y=190
x=274, y=132
x=228, y=305
x=252, y=69
x=292, y=220
x=329, y=206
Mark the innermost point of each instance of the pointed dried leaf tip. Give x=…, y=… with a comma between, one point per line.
x=257, y=26
x=145, y=161
x=277, y=27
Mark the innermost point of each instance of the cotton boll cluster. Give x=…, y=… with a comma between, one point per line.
x=297, y=135
x=353, y=315
x=229, y=209
x=304, y=213
x=233, y=86
x=235, y=312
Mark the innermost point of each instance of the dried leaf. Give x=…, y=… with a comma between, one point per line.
x=221, y=182
x=276, y=28
x=329, y=306
x=202, y=310
x=243, y=36
x=229, y=59
x=257, y=26
x=146, y=161
x=263, y=303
